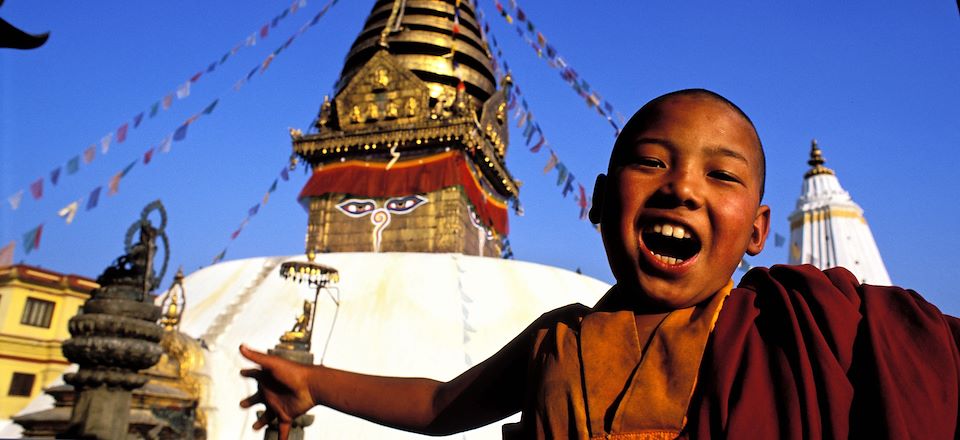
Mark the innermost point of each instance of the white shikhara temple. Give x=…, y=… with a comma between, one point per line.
x=828, y=229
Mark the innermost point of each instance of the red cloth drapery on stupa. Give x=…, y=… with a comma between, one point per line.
x=414, y=176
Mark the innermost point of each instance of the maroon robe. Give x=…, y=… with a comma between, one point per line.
x=795, y=353
x=802, y=353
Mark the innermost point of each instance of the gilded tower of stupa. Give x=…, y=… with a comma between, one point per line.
x=408, y=156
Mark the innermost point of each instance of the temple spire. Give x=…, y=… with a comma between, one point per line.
x=816, y=161
x=828, y=229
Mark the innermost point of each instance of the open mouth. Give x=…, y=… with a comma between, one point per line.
x=671, y=244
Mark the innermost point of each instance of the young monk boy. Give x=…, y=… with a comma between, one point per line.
x=672, y=350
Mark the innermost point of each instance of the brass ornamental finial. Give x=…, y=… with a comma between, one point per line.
x=816, y=161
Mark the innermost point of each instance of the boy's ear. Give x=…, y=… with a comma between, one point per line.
x=596, y=207
x=761, y=227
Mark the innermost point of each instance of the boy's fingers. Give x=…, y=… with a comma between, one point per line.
x=253, y=355
x=284, y=430
x=252, y=400
x=263, y=420
x=251, y=372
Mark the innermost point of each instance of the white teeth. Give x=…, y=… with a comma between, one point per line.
x=678, y=232
x=668, y=230
x=668, y=260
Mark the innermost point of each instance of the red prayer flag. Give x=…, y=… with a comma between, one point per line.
x=536, y=148
x=147, y=156
x=122, y=133
x=6, y=253
x=196, y=77
x=36, y=189
x=89, y=153
x=264, y=30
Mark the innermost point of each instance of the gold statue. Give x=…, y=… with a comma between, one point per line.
x=355, y=115
x=300, y=330
x=393, y=111
x=373, y=112
x=412, y=106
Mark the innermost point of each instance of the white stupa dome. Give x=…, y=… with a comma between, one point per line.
x=400, y=314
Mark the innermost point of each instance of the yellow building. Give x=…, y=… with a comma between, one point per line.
x=35, y=307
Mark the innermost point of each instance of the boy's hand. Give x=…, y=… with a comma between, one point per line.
x=282, y=385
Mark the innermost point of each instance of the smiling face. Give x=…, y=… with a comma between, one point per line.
x=681, y=203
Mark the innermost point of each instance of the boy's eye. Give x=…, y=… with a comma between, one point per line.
x=723, y=175
x=650, y=162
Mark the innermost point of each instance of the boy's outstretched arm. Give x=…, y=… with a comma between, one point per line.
x=483, y=394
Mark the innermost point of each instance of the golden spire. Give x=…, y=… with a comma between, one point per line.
x=816, y=161
x=174, y=302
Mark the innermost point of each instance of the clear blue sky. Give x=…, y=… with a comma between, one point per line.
x=875, y=84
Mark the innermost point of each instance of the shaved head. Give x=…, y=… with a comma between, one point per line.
x=651, y=110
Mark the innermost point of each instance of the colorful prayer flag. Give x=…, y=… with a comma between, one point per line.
x=273, y=187
x=196, y=76
x=127, y=168
x=219, y=257
x=253, y=211
x=15, y=200
x=167, y=101
x=122, y=133
x=89, y=153
x=36, y=189
x=148, y=156
x=70, y=211
x=251, y=41
x=137, y=120
x=55, y=176
x=93, y=198
x=165, y=144
x=536, y=148
x=6, y=253
x=264, y=31
x=31, y=240
x=582, y=202
x=209, y=108
x=211, y=67
x=154, y=108
x=551, y=163
x=235, y=234
x=285, y=174
x=73, y=165
x=105, y=143
x=266, y=198
x=266, y=63
x=778, y=240
x=569, y=186
x=114, y=186
x=181, y=132
x=184, y=90
x=562, y=169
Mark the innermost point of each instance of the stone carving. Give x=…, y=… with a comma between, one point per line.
x=116, y=336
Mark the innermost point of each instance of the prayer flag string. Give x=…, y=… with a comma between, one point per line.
x=182, y=91
x=532, y=131
x=538, y=42
x=31, y=239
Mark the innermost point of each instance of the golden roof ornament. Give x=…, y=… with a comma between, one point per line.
x=174, y=302
x=816, y=162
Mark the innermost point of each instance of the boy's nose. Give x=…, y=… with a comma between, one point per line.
x=683, y=189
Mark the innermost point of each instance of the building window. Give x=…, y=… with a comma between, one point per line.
x=21, y=384
x=37, y=313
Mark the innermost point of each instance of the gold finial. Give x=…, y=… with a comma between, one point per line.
x=174, y=303
x=311, y=255
x=816, y=161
